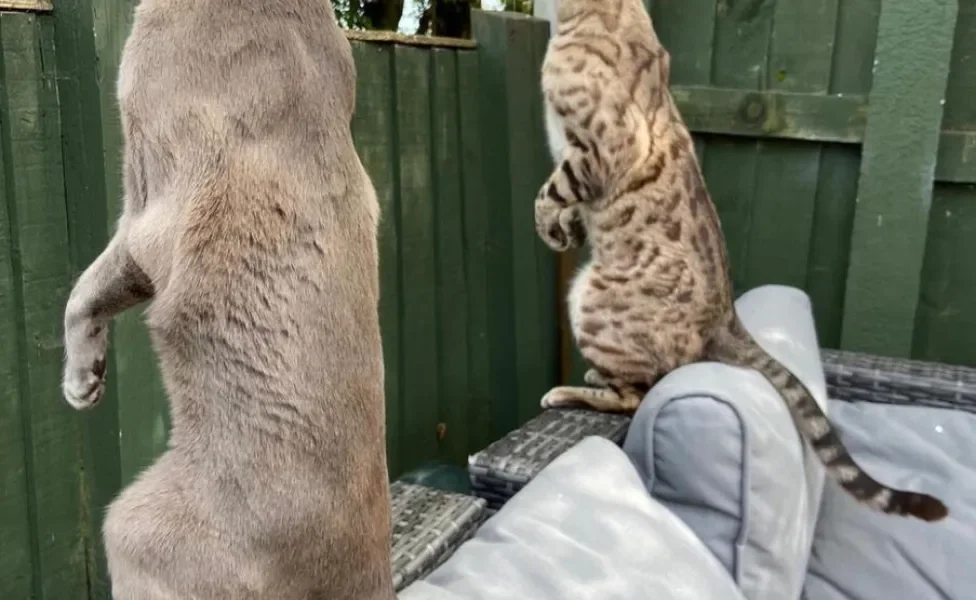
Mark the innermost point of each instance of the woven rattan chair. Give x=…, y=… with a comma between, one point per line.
x=505, y=466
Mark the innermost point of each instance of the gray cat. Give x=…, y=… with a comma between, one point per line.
x=250, y=224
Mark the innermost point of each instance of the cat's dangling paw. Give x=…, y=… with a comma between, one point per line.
x=83, y=382
x=560, y=227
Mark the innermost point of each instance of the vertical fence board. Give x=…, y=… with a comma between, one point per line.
x=850, y=73
x=534, y=267
x=452, y=301
x=738, y=61
x=418, y=263
x=524, y=182
x=960, y=109
x=946, y=322
x=493, y=34
x=373, y=129
x=897, y=173
x=19, y=554
x=787, y=171
x=35, y=204
x=475, y=211
x=687, y=29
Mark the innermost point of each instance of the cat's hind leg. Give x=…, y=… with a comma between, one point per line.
x=624, y=398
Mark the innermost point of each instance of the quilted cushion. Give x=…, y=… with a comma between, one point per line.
x=859, y=554
x=583, y=529
x=717, y=446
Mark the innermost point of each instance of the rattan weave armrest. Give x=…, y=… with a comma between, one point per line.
x=861, y=377
x=428, y=526
x=505, y=466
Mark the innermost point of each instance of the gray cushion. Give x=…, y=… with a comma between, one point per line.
x=583, y=529
x=859, y=554
x=717, y=446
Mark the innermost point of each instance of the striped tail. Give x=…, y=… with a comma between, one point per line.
x=734, y=346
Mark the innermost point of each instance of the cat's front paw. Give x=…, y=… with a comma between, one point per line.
x=560, y=227
x=83, y=382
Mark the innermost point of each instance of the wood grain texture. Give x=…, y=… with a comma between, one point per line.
x=27, y=5
x=493, y=35
x=945, y=324
x=418, y=260
x=41, y=273
x=788, y=172
x=452, y=302
x=476, y=247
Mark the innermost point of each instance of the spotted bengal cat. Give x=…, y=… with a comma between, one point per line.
x=656, y=293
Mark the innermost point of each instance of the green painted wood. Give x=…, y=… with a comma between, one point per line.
x=374, y=129
x=960, y=110
x=850, y=75
x=452, y=301
x=493, y=32
x=418, y=261
x=687, y=29
x=475, y=212
x=774, y=114
x=956, y=157
x=85, y=194
x=945, y=323
x=534, y=265
x=787, y=172
x=18, y=547
x=739, y=60
x=830, y=239
x=41, y=271
x=897, y=171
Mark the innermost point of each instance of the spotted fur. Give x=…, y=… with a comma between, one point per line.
x=656, y=293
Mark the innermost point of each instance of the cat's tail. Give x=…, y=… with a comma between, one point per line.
x=733, y=345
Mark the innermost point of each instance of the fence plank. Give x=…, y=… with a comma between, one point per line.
x=418, y=262
x=373, y=128
x=739, y=60
x=687, y=29
x=850, y=76
x=492, y=31
x=534, y=264
x=452, y=301
x=945, y=322
x=17, y=573
x=475, y=210
x=42, y=272
x=897, y=170
x=787, y=171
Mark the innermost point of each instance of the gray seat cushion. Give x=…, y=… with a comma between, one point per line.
x=583, y=529
x=717, y=446
x=859, y=554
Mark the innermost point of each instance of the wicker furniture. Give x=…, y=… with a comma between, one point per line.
x=505, y=466
x=428, y=526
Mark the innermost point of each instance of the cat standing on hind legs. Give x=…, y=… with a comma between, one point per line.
x=250, y=224
x=656, y=293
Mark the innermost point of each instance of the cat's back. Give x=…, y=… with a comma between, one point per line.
x=213, y=74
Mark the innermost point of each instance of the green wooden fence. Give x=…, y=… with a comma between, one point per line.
x=780, y=96
x=785, y=98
